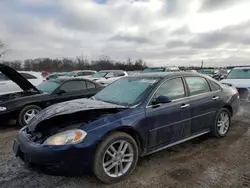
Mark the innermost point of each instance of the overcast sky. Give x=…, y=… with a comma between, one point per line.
x=162, y=32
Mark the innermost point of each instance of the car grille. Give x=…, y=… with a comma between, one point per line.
x=244, y=93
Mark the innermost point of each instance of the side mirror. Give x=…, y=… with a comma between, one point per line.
x=161, y=100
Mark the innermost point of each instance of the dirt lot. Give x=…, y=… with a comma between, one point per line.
x=203, y=162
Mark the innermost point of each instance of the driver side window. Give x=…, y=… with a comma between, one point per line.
x=173, y=89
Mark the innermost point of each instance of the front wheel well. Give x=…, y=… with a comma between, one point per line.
x=132, y=133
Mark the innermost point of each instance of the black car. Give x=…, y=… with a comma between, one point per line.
x=134, y=116
x=23, y=106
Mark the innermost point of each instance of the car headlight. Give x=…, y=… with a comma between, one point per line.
x=2, y=108
x=68, y=137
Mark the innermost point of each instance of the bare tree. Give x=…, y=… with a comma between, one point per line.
x=3, y=51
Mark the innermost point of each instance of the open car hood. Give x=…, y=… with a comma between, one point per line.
x=13, y=75
x=68, y=107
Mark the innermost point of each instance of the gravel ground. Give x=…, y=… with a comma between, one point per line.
x=203, y=162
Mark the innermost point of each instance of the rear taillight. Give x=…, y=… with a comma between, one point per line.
x=44, y=80
x=235, y=91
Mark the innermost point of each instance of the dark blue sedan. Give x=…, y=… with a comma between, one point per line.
x=133, y=117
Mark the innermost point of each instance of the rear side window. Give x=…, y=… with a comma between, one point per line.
x=90, y=85
x=214, y=86
x=28, y=76
x=118, y=74
x=173, y=89
x=197, y=85
x=73, y=86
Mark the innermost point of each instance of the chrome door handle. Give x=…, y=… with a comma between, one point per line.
x=215, y=98
x=185, y=106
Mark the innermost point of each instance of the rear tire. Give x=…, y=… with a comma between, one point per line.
x=123, y=159
x=27, y=113
x=222, y=123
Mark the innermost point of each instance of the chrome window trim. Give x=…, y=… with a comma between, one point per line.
x=191, y=96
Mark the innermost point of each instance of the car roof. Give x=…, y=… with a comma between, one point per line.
x=63, y=79
x=83, y=71
x=165, y=74
x=241, y=68
x=112, y=71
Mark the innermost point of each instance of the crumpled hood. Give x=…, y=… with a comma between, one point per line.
x=238, y=83
x=69, y=107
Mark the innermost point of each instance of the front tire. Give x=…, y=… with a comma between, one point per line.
x=27, y=113
x=116, y=157
x=222, y=123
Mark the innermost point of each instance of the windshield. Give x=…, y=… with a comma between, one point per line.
x=206, y=72
x=153, y=70
x=239, y=74
x=126, y=91
x=48, y=86
x=100, y=74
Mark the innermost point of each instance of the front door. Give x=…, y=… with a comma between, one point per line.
x=168, y=123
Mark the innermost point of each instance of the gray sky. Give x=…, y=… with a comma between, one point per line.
x=162, y=32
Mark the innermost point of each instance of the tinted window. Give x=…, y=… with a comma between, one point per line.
x=118, y=74
x=48, y=86
x=214, y=86
x=90, y=85
x=197, y=85
x=85, y=73
x=73, y=86
x=173, y=89
x=28, y=76
x=154, y=70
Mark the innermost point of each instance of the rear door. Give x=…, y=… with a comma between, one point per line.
x=168, y=123
x=204, y=103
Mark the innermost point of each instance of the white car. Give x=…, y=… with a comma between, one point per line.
x=106, y=77
x=7, y=86
x=239, y=78
x=80, y=73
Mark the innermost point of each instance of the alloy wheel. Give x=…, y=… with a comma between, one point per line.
x=223, y=123
x=29, y=115
x=118, y=158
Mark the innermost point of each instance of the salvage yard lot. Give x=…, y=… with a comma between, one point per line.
x=203, y=162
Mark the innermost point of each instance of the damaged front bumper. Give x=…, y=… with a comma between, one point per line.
x=65, y=160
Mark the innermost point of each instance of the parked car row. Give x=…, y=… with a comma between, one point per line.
x=133, y=117
x=72, y=125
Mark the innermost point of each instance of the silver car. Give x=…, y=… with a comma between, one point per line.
x=239, y=78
